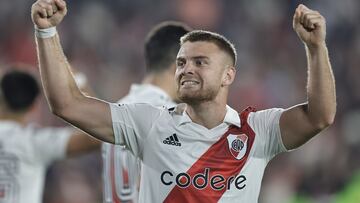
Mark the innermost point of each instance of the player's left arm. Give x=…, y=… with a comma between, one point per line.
x=300, y=123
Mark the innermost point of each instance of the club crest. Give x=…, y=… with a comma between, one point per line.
x=237, y=145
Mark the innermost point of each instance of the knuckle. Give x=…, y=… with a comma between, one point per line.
x=42, y=5
x=48, y=7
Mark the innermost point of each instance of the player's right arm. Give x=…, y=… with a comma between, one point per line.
x=64, y=97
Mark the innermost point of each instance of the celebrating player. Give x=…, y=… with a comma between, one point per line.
x=201, y=150
x=27, y=150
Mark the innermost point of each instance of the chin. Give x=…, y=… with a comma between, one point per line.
x=186, y=97
x=195, y=97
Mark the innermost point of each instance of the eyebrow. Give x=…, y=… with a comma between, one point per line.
x=194, y=57
x=200, y=57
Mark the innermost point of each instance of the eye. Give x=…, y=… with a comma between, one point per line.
x=180, y=63
x=200, y=62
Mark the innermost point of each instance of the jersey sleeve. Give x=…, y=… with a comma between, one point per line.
x=132, y=123
x=50, y=144
x=267, y=129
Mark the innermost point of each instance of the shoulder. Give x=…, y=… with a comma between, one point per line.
x=145, y=107
x=135, y=110
x=265, y=117
x=266, y=112
x=177, y=109
x=138, y=106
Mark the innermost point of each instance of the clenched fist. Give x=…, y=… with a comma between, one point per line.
x=48, y=13
x=310, y=26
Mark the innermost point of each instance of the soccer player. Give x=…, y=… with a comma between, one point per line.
x=201, y=150
x=27, y=150
x=120, y=171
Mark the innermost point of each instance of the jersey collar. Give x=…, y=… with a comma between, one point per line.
x=231, y=117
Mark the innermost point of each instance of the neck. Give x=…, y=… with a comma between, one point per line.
x=208, y=114
x=164, y=80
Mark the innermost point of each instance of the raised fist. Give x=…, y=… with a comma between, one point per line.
x=310, y=26
x=48, y=13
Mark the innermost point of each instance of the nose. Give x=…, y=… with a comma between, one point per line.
x=188, y=69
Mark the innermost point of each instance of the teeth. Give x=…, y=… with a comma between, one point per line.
x=189, y=83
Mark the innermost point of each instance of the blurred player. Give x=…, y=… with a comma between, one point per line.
x=202, y=150
x=25, y=149
x=120, y=171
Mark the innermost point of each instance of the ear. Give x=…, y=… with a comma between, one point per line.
x=229, y=76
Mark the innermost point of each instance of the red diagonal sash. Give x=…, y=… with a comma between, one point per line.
x=219, y=160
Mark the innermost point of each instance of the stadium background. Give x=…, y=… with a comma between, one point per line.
x=104, y=40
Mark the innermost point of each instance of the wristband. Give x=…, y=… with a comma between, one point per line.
x=45, y=33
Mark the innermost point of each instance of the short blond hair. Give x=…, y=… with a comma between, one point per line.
x=207, y=36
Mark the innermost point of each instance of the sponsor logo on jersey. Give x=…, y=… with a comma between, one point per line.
x=237, y=145
x=172, y=140
x=203, y=180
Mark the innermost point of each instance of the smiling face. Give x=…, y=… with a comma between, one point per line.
x=203, y=71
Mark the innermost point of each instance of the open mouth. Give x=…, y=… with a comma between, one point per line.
x=189, y=82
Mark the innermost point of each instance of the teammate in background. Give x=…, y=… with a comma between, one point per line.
x=120, y=171
x=25, y=149
x=218, y=155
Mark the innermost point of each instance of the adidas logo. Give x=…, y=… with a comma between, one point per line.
x=172, y=140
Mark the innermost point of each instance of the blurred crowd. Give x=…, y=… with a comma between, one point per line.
x=104, y=40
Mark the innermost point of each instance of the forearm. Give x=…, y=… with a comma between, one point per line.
x=321, y=87
x=64, y=97
x=59, y=85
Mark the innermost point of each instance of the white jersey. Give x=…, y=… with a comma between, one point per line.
x=120, y=167
x=186, y=162
x=25, y=154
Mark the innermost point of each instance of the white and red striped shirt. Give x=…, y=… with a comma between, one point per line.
x=186, y=162
x=121, y=169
